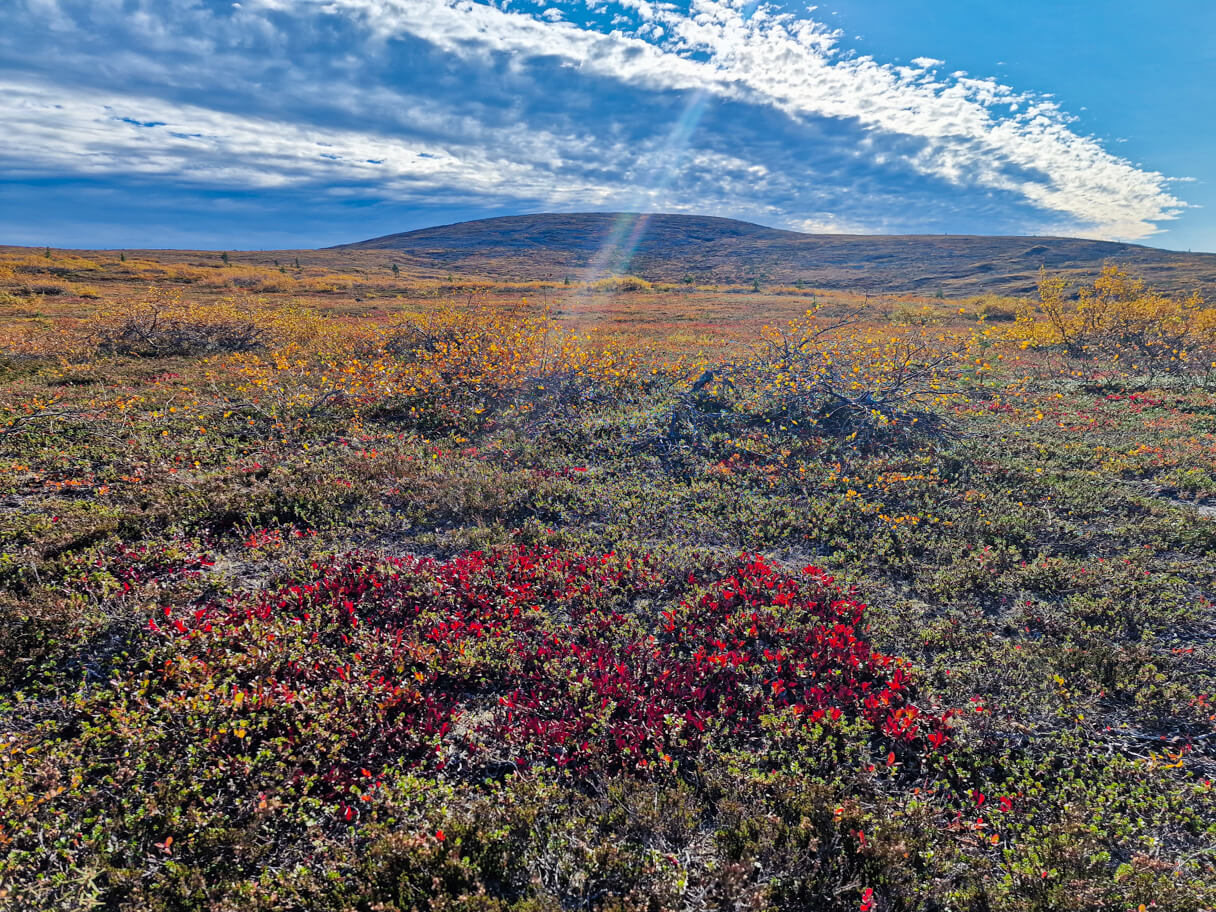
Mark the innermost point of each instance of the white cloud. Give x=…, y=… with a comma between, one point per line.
x=976, y=135
x=100, y=133
x=95, y=133
x=795, y=65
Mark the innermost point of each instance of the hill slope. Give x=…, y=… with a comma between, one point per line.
x=717, y=250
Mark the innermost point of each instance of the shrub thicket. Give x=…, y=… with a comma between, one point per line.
x=1120, y=321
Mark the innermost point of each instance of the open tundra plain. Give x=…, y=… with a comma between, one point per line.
x=466, y=571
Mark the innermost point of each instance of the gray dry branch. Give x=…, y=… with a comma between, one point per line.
x=800, y=386
x=151, y=334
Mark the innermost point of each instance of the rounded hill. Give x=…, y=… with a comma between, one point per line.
x=711, y=250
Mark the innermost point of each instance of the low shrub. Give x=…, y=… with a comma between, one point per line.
x=622, y=283
x=328, y=696
x=994, y=309
x=809, y=383
x=150, y=333
x=48, y=291
x=1123, y=323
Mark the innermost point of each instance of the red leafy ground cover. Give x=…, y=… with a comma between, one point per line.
x=526, y=656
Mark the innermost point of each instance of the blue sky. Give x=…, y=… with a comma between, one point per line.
x=301, y=123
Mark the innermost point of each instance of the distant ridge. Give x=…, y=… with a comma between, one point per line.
x=707, y=249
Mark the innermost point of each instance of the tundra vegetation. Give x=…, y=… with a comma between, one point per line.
x=438, y=600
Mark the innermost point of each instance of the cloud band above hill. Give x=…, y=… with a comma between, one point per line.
x=721, y=107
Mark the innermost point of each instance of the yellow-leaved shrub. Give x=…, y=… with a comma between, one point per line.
x=1119, y=318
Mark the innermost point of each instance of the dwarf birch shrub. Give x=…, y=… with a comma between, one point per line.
x=1120, y=319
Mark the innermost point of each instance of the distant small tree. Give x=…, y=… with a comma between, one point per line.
x=756, y=284
x=396, y=270
x=276, y=262
x=122, y=257
x=224, y=257
x=566, y=280
x=297, y=262
x=48, y=253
